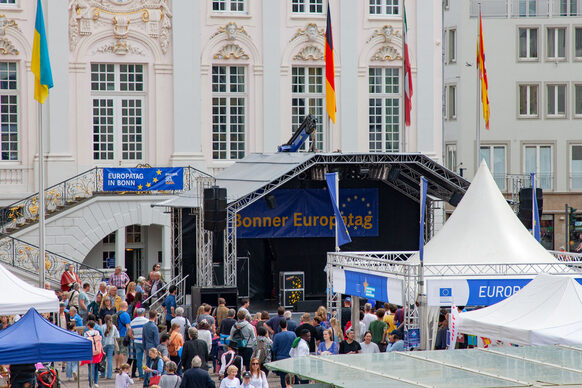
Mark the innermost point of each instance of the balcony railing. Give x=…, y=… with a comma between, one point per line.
x=525, y=8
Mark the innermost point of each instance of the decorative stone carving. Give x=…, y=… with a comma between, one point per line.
x=116, y=48
x=152, y=17
x=387, y=32
x=233, y=51
x=7, y=48
x=386, y=53
x=309, y=53
x=310, y=32
x=7, y=23
x=231, y=30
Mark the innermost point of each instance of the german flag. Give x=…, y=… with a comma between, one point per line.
x=329, y=70
x=483, y=74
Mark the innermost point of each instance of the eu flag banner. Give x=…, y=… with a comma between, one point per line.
x=307, y=213
x=423, y=187
x=143, y=179
x=342, y=235
x=366, y=285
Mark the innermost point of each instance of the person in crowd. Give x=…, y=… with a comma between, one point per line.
x=113, y=297
x=378, y=329
x=170, y=305
x=102, y=290
x=441, y=337
x=246, y=380
x=205, y=334
x=226, y=324
x=62, y=318
x=71, y=367
x=221, y=311
x=182, y=321
x=97, y=345
x=84, y=302
x=137, y=325
x=194, y=347
x=65, y=298
x=215, y=349
x=396, y=343
x=155, y=367
x=69, y=278
x=130, y=293
x=336, y=330
x=300, y=347
x=230, y=357
x=256, y=319
x=124, y=327
x=289, y=381
x=141, y=285
x=198, y=377
x=163, y=347
x=306, y=325
x=175, y=343
x=362, y=327
x=170, y=379
x=150, y=333
x=346, y=313
x=231, y=381
x=272, y=325
x=119, y=280
x=327, y=346
x=282, y=342
x=74, y=293
x=244, y=306
x=122, y=379
x=136, y=304
x=152, y=275
x=389, y=317
x=291, y=323
x=22, y=375
x=368, y=316
x=106, y=309
x=323, y=317
x=75, y=317
x=156, y=285
x=244, y=334
x=316, y=323
x=264, y=317
x=367, y=345
x=349, y=346
x=206, y=316
x=199, y=312
x=110, y=335
x=258, y=376
x=263, y=348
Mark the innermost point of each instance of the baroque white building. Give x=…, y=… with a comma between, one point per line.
x=533, y=51
x=200, y=83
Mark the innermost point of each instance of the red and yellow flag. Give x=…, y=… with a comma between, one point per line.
x=483, y=74
x=329, y=70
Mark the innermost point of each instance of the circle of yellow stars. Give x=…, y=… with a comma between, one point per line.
x=355, y=198
x=148, y=184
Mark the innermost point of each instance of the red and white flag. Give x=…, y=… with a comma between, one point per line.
x=407, y=76
x=453, y=326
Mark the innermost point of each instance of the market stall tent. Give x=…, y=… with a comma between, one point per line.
x=18, y=296
x=34, y=339
x=547, y=311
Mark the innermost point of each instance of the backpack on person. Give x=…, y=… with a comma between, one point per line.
x=238, y=338
x=96, y=342
x=262, y=352
x=235, y=360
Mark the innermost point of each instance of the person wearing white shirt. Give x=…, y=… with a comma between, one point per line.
x=368, y=316
x=367, y=345
x=302, y=348
x=182, y=321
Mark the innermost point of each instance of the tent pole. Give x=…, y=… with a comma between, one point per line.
x=356, y=317
x=78, y=374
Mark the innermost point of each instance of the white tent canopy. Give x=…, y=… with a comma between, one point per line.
x=547, y=311
x=483, y=229
x=18, y=296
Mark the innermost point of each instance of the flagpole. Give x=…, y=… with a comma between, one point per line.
x=478, y=107
x=41, y=201
x=337, y=249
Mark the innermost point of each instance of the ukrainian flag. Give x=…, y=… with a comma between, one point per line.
x=41, y=66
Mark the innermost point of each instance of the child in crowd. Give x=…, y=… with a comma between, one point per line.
x=122, y=379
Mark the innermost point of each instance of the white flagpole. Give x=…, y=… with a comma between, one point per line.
x=41, y=201
x=337, y=249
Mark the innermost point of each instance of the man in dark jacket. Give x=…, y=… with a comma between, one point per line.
x=150, y=334
x=196, y=377
x=192, y=348
x=306, y=325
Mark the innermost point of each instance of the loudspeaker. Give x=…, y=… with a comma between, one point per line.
x=215, y=208
x=210, y=295
x=455, y=198
x=271, y=201
x=525, y=205
x=242, y=275
x=308, y=305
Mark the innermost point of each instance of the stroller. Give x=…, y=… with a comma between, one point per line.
x=48, y=377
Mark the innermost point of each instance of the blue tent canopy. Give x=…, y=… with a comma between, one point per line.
x=34, y=339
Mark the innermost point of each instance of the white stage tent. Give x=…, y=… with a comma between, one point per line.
x=18, y=296
x=547, y=311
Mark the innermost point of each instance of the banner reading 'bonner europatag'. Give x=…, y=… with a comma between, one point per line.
x=308, y=213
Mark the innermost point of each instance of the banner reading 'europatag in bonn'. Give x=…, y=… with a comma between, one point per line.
x=143, y=179
x=308, y=213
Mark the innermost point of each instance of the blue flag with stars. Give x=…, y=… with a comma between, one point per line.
x=143, y=179
x=343, y=237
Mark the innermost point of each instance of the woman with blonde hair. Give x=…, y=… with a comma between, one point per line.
x=322, y=314
x=336, y=328
x=258, y=377
x=230, y=381
x=155, y=367
x=175, y=343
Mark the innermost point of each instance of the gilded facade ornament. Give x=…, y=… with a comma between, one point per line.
x=7, y=48
x=309, y=53
x=311, y=32
x=120, y=49
x=231, y=30
x=386, y=53
x=233, y=51
x=7, y=23
x=387, y=32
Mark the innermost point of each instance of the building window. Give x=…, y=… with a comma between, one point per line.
x=578, y=100
x=108, y=259
x=109, y=239
x=229, y=101
x=451, y=102
x=527, y=8
x=307, y=6
x=7, y=2
x=578, y=42
x=228, y=5
x=308, y=97
x=133, y=234
x=528, y=100
x=9, y=111
x=451, y=155
x=495, y=158
x=118, y=111
x=384, y=108
x=452, y=46
x=538, y=159
x=528, y=43
x=384, y=7
x=556, y=47
x=576, y=167
x=556, y=101
x=567, y=8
